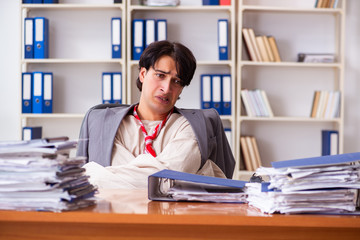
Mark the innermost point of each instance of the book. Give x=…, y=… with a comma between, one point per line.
x=262, y=48
x=253, y=40
x=274, y=48
x=246, y=154
x=249, y=45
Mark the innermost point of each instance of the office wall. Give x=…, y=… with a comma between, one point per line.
x=10, y=73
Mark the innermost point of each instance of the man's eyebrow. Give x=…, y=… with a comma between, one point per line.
x=164, y=72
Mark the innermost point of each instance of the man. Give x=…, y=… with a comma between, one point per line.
x=126, y=144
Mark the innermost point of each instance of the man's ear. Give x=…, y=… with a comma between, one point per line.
x=142, y=74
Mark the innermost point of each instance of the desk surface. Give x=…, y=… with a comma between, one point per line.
x=129, y=214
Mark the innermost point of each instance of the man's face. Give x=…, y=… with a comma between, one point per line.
x=161, y=88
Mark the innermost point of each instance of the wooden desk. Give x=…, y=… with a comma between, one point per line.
x=129, y=215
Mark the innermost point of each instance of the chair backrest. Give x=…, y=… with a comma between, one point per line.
x=108, y=105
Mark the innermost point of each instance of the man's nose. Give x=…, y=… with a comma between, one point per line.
x=166, y=85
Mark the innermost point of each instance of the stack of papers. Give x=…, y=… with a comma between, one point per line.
x=169, y=185
x=327, y=184
x=38, y=175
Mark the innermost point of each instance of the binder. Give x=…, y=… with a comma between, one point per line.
x=225, y=2
x=210, y=2
x=41, y=49
x=30, y=133
x=150, y=31
x=117, y=87
x=329, y=142
x=37, y=1
x=138, y=38
x=161, y=29
x=116, y=37
x=159, y=183
x=226, y=94
x=37, y=95
x=29, y=38
x=319, y=161
x=223, y=41
x=47, y=92
x=216, y=90
x=106, y=87
x=27, y=1
x=205, y=91
x=26, y=92
x=51, y=1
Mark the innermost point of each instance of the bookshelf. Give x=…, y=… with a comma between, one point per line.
x=195, y=26
x=297, y=26
x=79, y=51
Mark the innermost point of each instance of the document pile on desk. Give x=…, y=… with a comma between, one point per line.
x=327, y=184
x=39, y=175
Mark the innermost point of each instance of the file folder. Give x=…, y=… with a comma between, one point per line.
x=329, y=142
x=27, y=92
x=116, y=37
x=319, y=161
x=138, y=38
x=117, y=88
x=160, y=183
x=205, y=91
x=223, y=39
x=47, y=92
x=29, y=38
x=226, y=94
x=210, y=2
x=41, y=49
x=30, y=133
x=150, y=31
x=106, y=87
x=37, y=95
x=161, y=29
x=216, y=89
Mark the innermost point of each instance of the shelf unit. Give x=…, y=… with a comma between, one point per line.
x=297, y=26
x=77, y=57
x=195, y=27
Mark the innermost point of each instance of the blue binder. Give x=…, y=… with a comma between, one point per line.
x=210, y=2
x=27, y=1
x=205, y=91
x=319, y=161
x=329, y=142
x=51, y=1
x=37, y=1
x=161, y=29
x=29, y=38
x=138, y=38
x=159, y=182
x=26, y=92
x=116, y=88
x=116, y=37
x=216, y=91
x=106, y=87
x=223, y=41
x=150, y=31
x=37, y=94
x=41, y=49
x=226, y=94
x=30, y=133
x=47, y=92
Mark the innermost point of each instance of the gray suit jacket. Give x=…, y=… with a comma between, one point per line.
x=100, y=125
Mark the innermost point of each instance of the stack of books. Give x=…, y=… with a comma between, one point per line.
x=256, y=103
x=326, y=3
x=326, y=185
x=326, y=104
x=260, y=48
x=39, y=175
x=250, y=153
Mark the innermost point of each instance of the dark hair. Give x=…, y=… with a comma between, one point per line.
x=183, y=57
